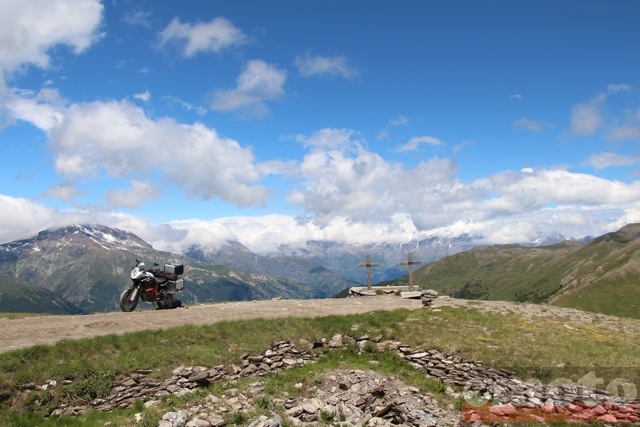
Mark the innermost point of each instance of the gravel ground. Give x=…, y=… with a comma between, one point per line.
x=16, y=333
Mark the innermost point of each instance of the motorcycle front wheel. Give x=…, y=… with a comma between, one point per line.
x=126, y=304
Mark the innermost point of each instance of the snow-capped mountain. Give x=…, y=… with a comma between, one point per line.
x=89, y=265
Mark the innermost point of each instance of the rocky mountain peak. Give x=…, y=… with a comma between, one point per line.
x=100, y=234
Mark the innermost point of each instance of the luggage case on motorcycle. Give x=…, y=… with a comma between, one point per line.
x=169, y=303
x=174, y=286
x=173, y=268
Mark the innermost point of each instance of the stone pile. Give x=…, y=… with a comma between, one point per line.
x=357, y=397
x=213, y=412
x=140, y=386
x=427, y=297
x=501, y=389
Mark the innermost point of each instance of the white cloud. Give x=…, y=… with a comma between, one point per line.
x=415, y=143
x=30, y=28
x=617, y=88
x=65, y=192
x=259, y=82
x=628, y=130
x=341, y=179
x=319, y=65
x=530, y=191
x=328, y=138
x=144, y=96
x=22, y=218
x=213, y=36
x=132, y=198
x=586, y=118
x=44, y=109
x=117, y=139
x=605, y=160
x=463, y=144
x=624, y=133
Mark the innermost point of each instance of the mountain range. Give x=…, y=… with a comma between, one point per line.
x=88, y=266
x=85, y=267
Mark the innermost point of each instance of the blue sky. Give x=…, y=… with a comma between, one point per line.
x=283, y=121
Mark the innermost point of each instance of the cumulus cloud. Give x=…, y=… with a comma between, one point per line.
x=259, y=82
x=117, y=139
x=30, y=28
x=529, y=191
x=213, y=36
x=415, y=143
x=336, y=66
x=341, y=179
x=22, y=218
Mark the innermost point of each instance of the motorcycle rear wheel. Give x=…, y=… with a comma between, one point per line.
x=126, y=304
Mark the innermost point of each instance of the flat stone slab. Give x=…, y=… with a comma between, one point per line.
x=411, y=295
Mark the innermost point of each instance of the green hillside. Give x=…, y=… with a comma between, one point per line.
x=17, y=296
x=601, y=276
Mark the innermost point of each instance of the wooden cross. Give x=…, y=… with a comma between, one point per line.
x=410, y=263
x=368, y=265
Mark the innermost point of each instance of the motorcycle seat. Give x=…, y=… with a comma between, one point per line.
x=166, y=275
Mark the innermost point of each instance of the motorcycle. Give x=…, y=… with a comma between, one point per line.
x=153, y=285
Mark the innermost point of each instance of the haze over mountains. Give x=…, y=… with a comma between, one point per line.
x=85, y=267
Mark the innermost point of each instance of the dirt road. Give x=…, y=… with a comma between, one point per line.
x=25, y=332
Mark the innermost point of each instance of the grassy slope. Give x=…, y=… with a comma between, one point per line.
x=608, y=280
x=602, y=276
x=17, y=296
x=508, y=341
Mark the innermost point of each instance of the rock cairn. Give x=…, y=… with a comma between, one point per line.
x=360, y=397
x=427, y=297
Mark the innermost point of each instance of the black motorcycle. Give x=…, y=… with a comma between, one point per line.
x=153, y=285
